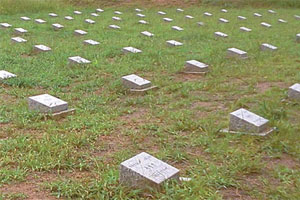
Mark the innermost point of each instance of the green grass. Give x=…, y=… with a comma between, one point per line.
x=78, y=157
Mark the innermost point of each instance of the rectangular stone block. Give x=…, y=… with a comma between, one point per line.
x=268, y=47
x=78, y=60
x=189, y=17
x=53, y=15
x=46, y=103
x=257, y=15
x=18, y=40
x=118, y=13
x=114, y=27
x=244, y=29
x=242, y=18
x=200, y=23
x=174, y=43
x=94, y=15
x=194, y=66
x=138, y=10
x=207, y=14
x=140, y=15
x=222, y=20
x=6, y=75
x=135, y=82
x=294, y=92
x=245, y=121
x=272, y=11
x=167, y=19
x=298, y=37
x=220, y=34
x=5, y=25
x=99, y=10
x=131, y=50
x=148, y=34
x=89, y=21
x=179, y=10
x=57, y=26
x=144, y=171
x=177, y=28
x=264, y=24
x=20, y=31
x=91, y=42
x=117, y=18
x=69, y=18
x=76, y=12
x=80, y=32
x=224, y=11
x=234, y=52
x=297, y=17
x=143, y=22
x=40, y=21
x=161, y=13
x=25, y=18
x=282, y=21
x=41, y=48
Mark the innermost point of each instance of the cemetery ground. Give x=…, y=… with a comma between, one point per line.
x=78, y=157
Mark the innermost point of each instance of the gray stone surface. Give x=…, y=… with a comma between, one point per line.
x=161, y=13
x=78, y=60
x=140, y=15
x=116, y=18
x=207, y=14
x=5, y=25
x=179, y=10
x=257, y=15
x=220, y=34
x=46, y=103
x=76, y=12
x=222, y=20
x=167, y=19
x=297, y=17
x=245, y=29
x=144, y=171
x=294, y=91
x=298, y=37
x=174, y=43
x=25, y=18
x=264, y=24
x=6, y=75
x=18, y=40
x=114, y=26
x=177, y=28
x=189, y=17
x=131, y=50
x=224, y=11
x=272, y=11
x=41, y=48
x=69, y=18
x=138, y=10
x=200, y=23
x=282, y=21
x=148, y=34
x=118, y=13
x=90, y=21
x=57, y=26
x=194, y=66
x=242, y=18
x=40, y=21
x=143, y=22
x=20, y=31
x=243, y=120
x=91, y=42
x=80, y=32
x=94, y=15
x=234, y=52
x=53, y=15
x=99, y=10
x=268, y=47
x=135, y=82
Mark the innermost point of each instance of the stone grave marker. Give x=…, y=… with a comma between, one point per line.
x=20, y=31
x=174, y=43
x=80, y=32
x=282, y=21
x=18, y=40
x=138, y=10
x=131, y=50
x=78, y=60
x=257, y=15
x=224, y=11
x=76, y=12
x=195, y=67
x=6, y=75
x=114, y=27
x=242, y=18
x=143, y=22
x=207, y=14
x=297, y=17
x=118, y=13
x=89, y=21
x=140, y=15
x=177, y=28
x=136, y=84
x=99, y=10
x=200, y=23
x=268, y=47
x=94, y=15
x=220, y=34
x=91, y=42
x=5, y=25
x=272, y=11
x=234, y=52
x=222, y=20
x=179, y=10
x=298, y=37
x=245, y=29
x=167, y=19
x=57, y=26
x=294, y=92
x=53, y=15
x=264, y=24
x=189, y=17
x=144, y=171
x=148, y=34
x=40, y=21
x=41, y=48
x=116, y=18
x=161, y=13
x=25, y=18
x=69, y=18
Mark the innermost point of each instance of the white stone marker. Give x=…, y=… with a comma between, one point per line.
x=200, y=23
x=242, y=18
x=69, y=18
x=234, y=52
x=114, y=27
x=94, y=15
x=244, y=121
x=264, y=24
x=89, y=21
x=25, y=18
x=53, y=15
x=6, y=75
x=118, y=13
x=140, y=15
x=195, y=67
x=20, y=31
x=174, y=43
x=207, y=14
x=245, y=29
x=294, y=92
x=18, y=40
x=148, y=34
x=131, y=50
x=220, y=34
x=80, y=32
x=297, y=17
x=76, y=12
x=177, y=28
x=189, y=17
x=145, y=171
x=268, y=47
x=222, y=20
x=5, y=25
x=138, y=10
x=78, y=60
x=48, y=104
x=257, y=15
x=57, y=26
x=161, y=13
x=272, y=11
x=99, y=10
x=282, y=21
x=91, y=42
x=167, y=19
x=41, y=48
x=40, y=21
x=135, y=82
x=298, y=37
x=116, y=18
x=143, y=22
x=179, y=10
x=224, y=11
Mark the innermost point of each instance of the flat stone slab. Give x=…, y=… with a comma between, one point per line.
x=297, y=17
x=143, y=22
x=138, y=10
x=174, y=43
x=264, y=24
x=20, y=31
x=167, y=19
x=114, y=27
x=272, y=11
x=222, y=20
x=200, y=23
x=224, y=11
x=91, y=42
x=242, y=18
x=145, y=171
x=177, y=28
x=264, y=133
x=282, y=21
x=117, y=18
x=243, y=120
x=245, y=29
x=220, y=34
x=90, y=21
x=118, y=13
x=80, y=32
x=40, y=21
x=94, y=15
x=46, y=103
x=268, y=47
x=57, y=26
x=99, y=10
x=69, y=18
x=76, y=12
x=298, y=37
x=148, y=34
x=161, y=13
x=6, y=75
x=207, y=14
x=18, y=40
x=53, y=15
x=133, y=81
x=179, y=10
x=131, y=50
x=41, y=48
x=78, y=60
x=234, y=52
x=257, y=15
x=195, y=67
x=25, y=18
x=5, y=25
x=140, y=15
x=189, y=17
x=294, y=92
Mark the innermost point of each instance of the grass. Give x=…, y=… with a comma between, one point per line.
x=78, y=157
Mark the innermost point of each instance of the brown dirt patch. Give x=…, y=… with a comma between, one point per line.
x=233, y=193
x=264, y=86
x=284, y=160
